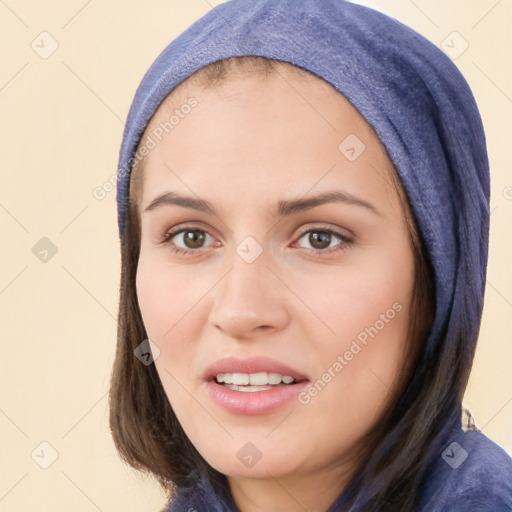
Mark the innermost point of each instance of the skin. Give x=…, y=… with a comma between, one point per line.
x=247, y=145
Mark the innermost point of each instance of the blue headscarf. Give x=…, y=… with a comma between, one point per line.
x=411, y=93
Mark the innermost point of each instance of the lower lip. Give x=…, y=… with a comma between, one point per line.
x=252, y=403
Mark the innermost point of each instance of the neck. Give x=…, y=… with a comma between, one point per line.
x=291, y=493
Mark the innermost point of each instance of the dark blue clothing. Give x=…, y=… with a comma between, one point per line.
x=482, y=482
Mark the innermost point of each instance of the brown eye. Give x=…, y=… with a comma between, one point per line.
x=186, y=240
x=193, y=238
x=320, y=240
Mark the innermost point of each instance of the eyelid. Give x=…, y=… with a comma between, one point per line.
x=325, y=227
x=184, y=226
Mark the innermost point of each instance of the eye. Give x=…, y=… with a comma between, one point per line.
x=190, y=237
x=320, y=239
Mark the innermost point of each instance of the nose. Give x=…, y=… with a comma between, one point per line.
x=250, y=300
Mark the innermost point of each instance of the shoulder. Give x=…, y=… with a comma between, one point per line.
x=471, y=473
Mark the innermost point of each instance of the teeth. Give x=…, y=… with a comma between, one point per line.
x=247, y=388
x=274, y=378
x=258, y=379
x=253, y=379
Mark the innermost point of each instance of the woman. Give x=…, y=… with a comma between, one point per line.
x=304, y=241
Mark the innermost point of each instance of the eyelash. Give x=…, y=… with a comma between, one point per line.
x=344, y=244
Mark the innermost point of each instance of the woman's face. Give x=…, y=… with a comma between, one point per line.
x=276, y=280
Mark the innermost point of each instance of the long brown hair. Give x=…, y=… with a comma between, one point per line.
x=146, y=431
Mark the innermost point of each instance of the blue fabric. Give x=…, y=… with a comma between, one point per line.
x=425, y=115
x=482, y=483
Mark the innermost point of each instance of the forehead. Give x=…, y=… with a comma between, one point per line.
x=285, y=83
x=276, y=127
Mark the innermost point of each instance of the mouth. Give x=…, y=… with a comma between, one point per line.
x=254, y=372
x=257, y=385
x=251, y=382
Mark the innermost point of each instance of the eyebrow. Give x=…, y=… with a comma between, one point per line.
x=283, y=209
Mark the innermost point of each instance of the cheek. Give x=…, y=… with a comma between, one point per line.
x=173, y=301
x=167, y=298
x=361, y=368
x=170, y=303
x=361, y=354
x=349, y=300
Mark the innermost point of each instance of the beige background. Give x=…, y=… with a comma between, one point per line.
x=62, y=120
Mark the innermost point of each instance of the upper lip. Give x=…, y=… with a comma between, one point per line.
x=252, y=364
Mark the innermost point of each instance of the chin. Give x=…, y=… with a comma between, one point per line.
x=260, y=470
